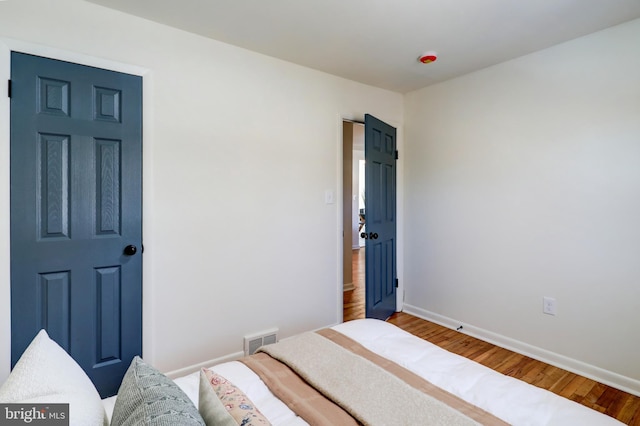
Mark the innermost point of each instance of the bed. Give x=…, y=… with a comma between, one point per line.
x=378, y=373
x=508, y=399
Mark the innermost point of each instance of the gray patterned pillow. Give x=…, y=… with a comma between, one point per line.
x=148, y=397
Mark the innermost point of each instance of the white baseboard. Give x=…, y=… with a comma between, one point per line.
x=598, y=374
x=196, y=367
x=349, y=287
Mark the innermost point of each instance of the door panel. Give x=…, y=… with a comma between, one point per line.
x=76, y=202
x=380, y=195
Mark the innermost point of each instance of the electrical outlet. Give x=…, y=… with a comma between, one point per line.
x=549, y=305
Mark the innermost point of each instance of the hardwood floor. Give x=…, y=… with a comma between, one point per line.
x=613, y=402
x=353, y=300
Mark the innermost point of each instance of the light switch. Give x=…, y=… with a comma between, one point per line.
x=328, y=196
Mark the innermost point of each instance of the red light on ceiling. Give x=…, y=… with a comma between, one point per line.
x=428, y=57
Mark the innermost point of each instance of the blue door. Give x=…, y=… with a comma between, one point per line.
x=76, y=213
x=380, y=196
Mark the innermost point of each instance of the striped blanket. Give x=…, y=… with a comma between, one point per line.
x=329, y=379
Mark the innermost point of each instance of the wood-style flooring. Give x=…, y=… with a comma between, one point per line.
x=353, y=301
x=613, y=402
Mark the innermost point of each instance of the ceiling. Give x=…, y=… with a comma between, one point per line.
x=378, y=42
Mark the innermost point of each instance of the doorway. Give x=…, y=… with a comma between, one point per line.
x=374, y=210
x=354, y=221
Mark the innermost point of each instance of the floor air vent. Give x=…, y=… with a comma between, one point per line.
x=254, y=341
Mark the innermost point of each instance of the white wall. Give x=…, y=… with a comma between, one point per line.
x=239, y=149
x=522, y=181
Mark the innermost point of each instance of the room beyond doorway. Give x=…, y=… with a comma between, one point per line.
x=354, y=215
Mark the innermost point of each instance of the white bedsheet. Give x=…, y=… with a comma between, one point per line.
x=512, y=400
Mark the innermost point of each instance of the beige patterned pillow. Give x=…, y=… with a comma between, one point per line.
x=236, y=403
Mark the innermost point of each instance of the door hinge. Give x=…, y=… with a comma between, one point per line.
x=9, y=88
x=396, y=283
x=396, y=154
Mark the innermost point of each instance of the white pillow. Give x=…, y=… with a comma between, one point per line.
x=45, y=373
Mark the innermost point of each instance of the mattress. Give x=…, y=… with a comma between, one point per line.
x=509, y=399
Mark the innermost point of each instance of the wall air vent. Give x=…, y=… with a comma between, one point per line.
x=254, y=341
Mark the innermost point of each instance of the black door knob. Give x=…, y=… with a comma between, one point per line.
x=363, y=235
x=373, y=235
x=130, y=250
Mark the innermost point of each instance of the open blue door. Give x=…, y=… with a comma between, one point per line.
x=76, y=213
x=380, y=199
